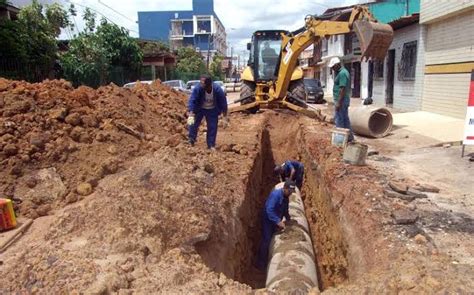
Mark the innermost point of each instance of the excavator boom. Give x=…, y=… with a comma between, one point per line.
x=375, y=39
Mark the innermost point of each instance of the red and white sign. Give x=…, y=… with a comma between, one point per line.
x=469, y=125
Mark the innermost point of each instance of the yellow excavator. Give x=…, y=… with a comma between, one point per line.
x=272, y=78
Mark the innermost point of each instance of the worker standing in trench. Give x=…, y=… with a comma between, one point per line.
x=342, y=96
x=207, y=100
x=292, y=170
x=276, y=207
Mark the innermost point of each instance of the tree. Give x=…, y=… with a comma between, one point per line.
x=29, y=44
x=99, y=53
x=40, y=28
x=190, y=64
x=216, y=68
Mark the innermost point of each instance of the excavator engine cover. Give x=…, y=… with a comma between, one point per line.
x=374, y=38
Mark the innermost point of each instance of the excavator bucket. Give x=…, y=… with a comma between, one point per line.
x=374, y=38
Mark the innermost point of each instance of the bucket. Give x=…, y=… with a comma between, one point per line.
x=355, y=154
x=7, y=215
x=340, y=137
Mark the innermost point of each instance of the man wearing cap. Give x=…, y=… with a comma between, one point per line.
x=207, y=100
x=292, y=170
x=276, y=207
x=341, y=94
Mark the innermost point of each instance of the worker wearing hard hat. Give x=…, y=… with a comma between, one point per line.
x=341, y=95
x=276, y=207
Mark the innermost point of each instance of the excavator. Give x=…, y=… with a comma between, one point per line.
x=272, y=78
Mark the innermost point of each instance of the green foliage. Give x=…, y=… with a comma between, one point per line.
x=94, y=56
x=30, y=42
x=89, y=18
x=190, y=64
x=216, y=68
x=151, y=48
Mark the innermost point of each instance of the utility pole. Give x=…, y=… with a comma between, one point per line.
x=209, y=48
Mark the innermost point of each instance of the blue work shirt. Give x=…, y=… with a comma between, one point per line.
x=276, y=206
x=288, y=165
x=198, y=96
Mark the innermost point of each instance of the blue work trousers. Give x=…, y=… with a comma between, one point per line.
x=341, y=119
x=268, y=229
x=212, y=118
x=299, y=177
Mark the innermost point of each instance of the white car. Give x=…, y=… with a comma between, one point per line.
x=177, y=85
x=222, y=85
x=191, y=83
x=132, y=84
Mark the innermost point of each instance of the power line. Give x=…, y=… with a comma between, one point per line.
x=98, y=12
x=124, y=16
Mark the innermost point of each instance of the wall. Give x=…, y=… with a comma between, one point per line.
x=406, y=94
x=449, y=61
x=437, y=10
x=155, y=25
x=335, y=48
x=389, y=10
x=449, y=41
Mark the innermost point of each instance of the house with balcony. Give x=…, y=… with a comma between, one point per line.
x=199, y=28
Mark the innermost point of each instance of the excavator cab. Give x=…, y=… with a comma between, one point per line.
x=262, y=67
x=264, y=54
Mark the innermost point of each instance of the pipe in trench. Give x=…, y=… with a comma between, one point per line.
x=292, y=261
x=371, y=121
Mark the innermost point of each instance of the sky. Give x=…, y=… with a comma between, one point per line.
x=240, y=18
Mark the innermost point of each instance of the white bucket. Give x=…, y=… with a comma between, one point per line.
x=340, y=137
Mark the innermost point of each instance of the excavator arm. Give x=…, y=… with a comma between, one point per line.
x=374, y=38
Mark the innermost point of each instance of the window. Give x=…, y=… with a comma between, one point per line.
x=407, y=64
x=378, y=69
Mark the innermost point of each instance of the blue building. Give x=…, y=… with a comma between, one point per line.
x=199, y=28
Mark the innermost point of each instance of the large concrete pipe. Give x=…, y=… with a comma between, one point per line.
x=370, y=120
x=292, y=264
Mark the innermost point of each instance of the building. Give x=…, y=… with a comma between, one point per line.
x=9, y=11
x=449, y=55
x=158, y=62
x=199, y=28
x=398, y=80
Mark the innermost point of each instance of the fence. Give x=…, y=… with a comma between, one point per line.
x=31, y=72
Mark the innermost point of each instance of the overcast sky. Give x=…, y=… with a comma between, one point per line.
x=240, y=17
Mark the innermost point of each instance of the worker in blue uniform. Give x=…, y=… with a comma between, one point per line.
x=276, y=207
x=206, y=101
x=292, y=170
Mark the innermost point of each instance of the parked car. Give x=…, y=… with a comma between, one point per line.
x=222, y=85
x=132, y=84
x=314, y=91
x=177, y=85
x=191, y=83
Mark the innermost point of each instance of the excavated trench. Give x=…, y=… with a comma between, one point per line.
x=280, y=140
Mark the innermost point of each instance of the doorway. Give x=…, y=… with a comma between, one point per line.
x=390, y=77
x=356, y=79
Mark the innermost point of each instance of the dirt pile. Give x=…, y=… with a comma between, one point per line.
x=57, y=142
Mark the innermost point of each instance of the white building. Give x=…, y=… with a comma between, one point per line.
x=398, y=80
x=449, y=56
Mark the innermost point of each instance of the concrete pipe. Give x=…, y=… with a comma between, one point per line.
x=371, y=121
x=292, y=261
